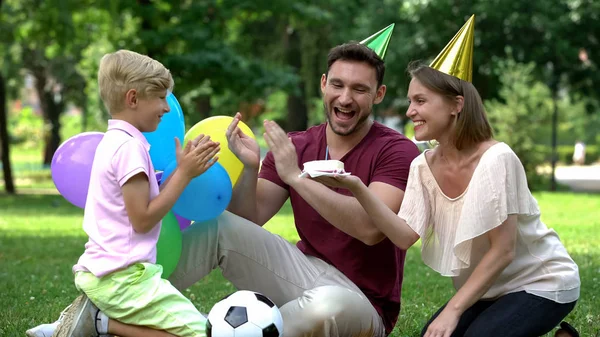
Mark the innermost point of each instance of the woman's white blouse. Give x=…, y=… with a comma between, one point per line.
x=452, y=230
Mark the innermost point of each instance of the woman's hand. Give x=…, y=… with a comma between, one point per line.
x=443, y=325
x=349, y=182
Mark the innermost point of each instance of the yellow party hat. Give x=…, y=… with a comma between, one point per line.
x=379, y=41
x=457, y=57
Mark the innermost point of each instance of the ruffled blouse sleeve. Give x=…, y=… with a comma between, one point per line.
x=449, y=227
x=416, y=204
x=498, y=189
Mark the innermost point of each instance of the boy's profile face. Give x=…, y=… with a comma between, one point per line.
x=149, y=111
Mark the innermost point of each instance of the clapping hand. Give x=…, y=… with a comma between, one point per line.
x=284, y=152
x=197, y=156
x=244, y=147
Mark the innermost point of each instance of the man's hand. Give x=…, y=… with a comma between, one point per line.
x=245, y=148
x=284, y=152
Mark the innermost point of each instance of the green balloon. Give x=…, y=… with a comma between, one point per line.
x=168, y=247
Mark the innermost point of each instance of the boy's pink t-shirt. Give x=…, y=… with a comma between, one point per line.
x=113, y=243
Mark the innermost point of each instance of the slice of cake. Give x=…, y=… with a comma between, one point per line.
x=324, y=166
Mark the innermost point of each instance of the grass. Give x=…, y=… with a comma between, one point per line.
x=41, y=238
x=27, y=169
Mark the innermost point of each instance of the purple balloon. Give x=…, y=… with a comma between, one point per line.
x=71, y=166
x=159, y=176
x=183, y=222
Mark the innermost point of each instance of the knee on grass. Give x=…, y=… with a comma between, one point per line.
x=328, y=302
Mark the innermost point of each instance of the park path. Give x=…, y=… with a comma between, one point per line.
x=579, y=178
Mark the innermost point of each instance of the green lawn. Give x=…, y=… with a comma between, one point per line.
x=41, y=238
x=27, y=169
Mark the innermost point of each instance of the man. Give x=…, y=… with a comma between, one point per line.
x=344, y=277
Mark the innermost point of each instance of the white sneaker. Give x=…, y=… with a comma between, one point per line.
x=42, y=330
x=80, y=320
x=46, y=330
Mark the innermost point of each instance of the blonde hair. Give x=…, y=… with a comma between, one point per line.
x=124, y=70
x=472, y=126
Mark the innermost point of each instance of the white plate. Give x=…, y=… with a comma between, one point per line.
x=314, y=174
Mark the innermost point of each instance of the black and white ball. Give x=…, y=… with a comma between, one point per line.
x=245, y=314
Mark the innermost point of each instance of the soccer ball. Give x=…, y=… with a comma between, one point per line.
x=244, y=314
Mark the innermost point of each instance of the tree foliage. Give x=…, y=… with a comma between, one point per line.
x=229, y=56
x=522, y=111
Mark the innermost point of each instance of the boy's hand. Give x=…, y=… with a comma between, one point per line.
x=200, y=158
x=179, y=152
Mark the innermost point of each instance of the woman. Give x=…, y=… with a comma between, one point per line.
x=468, y=201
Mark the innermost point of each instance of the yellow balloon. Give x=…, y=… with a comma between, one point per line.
x=216, y=127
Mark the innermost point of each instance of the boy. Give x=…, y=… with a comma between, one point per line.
x=117, y=272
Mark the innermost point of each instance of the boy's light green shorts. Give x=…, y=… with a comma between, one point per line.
x=139, y=296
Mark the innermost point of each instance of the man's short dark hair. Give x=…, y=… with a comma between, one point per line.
x=354, y=51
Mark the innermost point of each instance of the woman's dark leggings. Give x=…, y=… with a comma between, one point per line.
x=517, y=315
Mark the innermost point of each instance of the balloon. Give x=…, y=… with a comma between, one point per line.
x=71, y=166
x=216, y=127
x=206, y=196
x=211, y=222
x=162, y=140
x=183, y=222
x=168, y=247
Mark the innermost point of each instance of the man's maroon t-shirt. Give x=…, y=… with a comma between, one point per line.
x=383, y=155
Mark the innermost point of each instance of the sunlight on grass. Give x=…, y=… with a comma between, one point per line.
x=41, y=239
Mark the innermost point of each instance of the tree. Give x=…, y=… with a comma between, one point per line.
x=4, y=140
x=47, y=44
x=297, y=35
x=512, y=118
x=9, y=185
x=192, y=39
x=552, y=36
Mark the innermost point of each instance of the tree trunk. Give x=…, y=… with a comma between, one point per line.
x=297, y=110
x=203, y=107
x=4, y=140
x=51, y=108
x=84, y=117
x=9, y=185
x=52, y=117
x=148, y=26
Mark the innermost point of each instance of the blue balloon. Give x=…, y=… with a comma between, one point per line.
x=162, y=140
x=206, y=196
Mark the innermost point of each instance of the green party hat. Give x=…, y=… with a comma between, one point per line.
x=380, y=40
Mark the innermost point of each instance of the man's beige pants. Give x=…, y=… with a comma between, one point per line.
x=315, y=298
